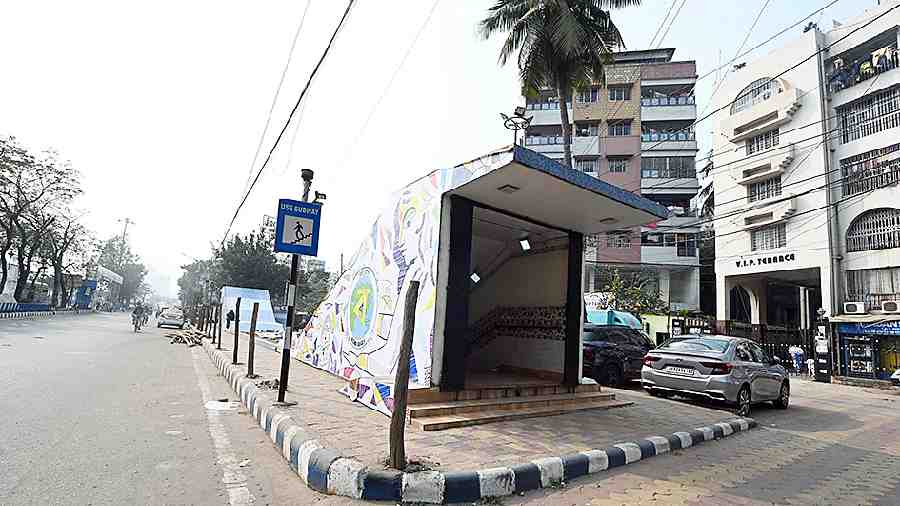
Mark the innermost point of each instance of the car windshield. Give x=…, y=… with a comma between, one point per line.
x=696, y=344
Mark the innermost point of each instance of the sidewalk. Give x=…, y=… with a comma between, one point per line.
x=361, y=433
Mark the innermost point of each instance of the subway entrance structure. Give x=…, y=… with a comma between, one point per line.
x=497, y=247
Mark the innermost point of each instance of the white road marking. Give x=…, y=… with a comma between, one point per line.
x=234, y=479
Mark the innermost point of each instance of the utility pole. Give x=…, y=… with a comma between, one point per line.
x=307, y=176
x=122, y=250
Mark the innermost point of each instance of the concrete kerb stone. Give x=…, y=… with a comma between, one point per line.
x=326, y=470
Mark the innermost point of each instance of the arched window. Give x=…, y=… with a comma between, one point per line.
x=874, y=229
x=758, y=91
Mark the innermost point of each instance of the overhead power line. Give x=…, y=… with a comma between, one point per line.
x=662, y=23
x=287, y=64
x=674, y=16
x=284, y=128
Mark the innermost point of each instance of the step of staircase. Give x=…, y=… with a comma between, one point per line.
x=431, y=395
x=507, y=403
x=442, y=422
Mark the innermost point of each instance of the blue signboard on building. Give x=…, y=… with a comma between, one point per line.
x=863, y=329
x=297, y=227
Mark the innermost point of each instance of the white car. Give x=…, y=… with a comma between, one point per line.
x=171, y=317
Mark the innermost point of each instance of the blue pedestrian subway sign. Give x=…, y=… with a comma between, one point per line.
x=297, y=227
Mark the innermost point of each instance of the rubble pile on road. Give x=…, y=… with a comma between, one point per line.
x=185, y=338
x=271, y=384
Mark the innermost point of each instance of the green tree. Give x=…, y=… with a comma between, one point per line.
x=634, y=291
x=313, y=288
x=115, y=254
x=248, y=261
x=561, y=44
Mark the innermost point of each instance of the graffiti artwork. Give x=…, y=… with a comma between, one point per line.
x=355, y=332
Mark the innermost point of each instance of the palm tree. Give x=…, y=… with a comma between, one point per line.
x=561, y=44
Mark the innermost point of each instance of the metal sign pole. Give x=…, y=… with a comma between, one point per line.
x=307, y=176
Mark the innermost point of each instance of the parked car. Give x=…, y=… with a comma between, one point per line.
x=613, y=353
x=724, y=368
x=171, y=317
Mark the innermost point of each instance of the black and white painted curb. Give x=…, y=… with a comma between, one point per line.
x=26, y=315
x=325, y=470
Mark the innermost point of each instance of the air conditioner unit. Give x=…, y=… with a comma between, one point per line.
x=854, y=308
x=891, y=306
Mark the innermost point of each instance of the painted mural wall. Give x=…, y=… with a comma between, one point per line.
x=355, y=332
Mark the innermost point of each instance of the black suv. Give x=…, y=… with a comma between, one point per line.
x=613, y=353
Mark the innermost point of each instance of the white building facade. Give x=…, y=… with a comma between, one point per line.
x=805, y=166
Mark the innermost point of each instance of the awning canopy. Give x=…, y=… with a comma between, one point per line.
x=539, y=189
x=865, y=318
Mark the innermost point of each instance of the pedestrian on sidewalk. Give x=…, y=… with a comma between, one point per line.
x=229, y=318
x=797, y=354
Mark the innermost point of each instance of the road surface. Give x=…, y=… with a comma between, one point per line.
x=94, y=413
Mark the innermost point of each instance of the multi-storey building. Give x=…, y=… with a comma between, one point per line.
x=634, y=131
x=806, y=165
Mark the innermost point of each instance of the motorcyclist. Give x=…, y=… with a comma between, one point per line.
x=137, y=314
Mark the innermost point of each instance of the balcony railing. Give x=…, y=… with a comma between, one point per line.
x=667, y=136
x=537, y=140
x=851, y=74
x=666, y=101
x=872, y=178
x=545, y=106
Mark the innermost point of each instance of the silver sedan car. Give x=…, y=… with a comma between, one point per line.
x=724, y=368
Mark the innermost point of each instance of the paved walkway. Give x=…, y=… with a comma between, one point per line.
x=362, y=433
x=836, y=445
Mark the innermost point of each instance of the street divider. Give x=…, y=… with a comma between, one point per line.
x=326, y=470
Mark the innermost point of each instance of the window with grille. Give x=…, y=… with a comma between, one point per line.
x=762, y=142
x=871, y=170
x=590, y=95
x=618, y=240
x=618, y=165
x=771, y=237
x=668, y=167
x=871, y=114
x=875, y=229
x=873, y=286
x=758, y=91
x=587, y=129
x=764, y=189
x=588, y=165
x=619, y=93
x=620, y=129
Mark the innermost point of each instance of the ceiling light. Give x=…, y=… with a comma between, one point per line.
x=508, y=188
x=525, y=244
x=475, y=277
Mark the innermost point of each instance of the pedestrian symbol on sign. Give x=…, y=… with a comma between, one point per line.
x=297, y=230
x=297, y=227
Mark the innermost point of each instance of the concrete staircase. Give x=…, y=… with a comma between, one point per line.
x=435, y=410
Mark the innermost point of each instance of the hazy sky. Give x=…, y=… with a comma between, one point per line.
x=161, y=104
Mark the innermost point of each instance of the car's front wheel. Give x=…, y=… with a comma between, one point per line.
x=784, y=396
x=743, y=402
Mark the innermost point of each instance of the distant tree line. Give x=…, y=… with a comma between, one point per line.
x=42, y=234
x=249, y=261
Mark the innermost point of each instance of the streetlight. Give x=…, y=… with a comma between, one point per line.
x=518, y=121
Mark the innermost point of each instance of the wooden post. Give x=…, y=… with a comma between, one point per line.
x=200, y=319
x=401, y=380
x=252, y=343
x=237, y=326
x=219, y=329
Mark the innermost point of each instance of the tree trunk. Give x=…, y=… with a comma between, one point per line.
x=57, y=285
x=564, y=92
x=22, y=280
x=4, y=269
